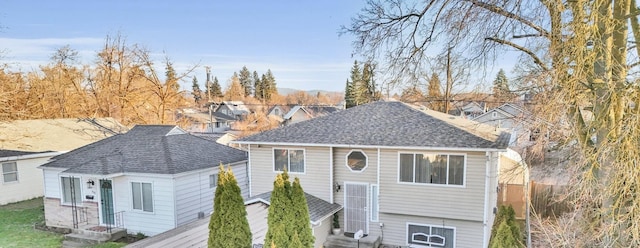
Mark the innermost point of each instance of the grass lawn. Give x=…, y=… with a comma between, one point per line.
x=16, y=227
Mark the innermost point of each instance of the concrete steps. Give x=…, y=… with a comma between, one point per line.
x=341, y=241
x=84, y=238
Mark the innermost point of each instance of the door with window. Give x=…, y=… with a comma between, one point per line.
x=355, y=207
x=106, y=202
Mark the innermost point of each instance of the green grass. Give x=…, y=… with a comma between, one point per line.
x=16, y=227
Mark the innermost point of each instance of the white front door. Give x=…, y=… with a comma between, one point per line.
x=355, y=207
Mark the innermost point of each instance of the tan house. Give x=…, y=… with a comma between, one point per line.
x=405, y=175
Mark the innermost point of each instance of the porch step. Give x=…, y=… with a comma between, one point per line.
x=83, y=238
x=342, y=241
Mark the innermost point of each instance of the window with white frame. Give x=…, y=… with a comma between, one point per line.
x=430, y=235
x=290, y=159
x=356, y=161
x=432, y=168
x=71, y=190
x=10, y=172
x=374, y=202
x=213, y=181
x=142, y=194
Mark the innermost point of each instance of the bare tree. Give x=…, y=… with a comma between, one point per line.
x=582, y=58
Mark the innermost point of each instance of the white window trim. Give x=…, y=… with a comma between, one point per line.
x=215, y=184
x=273, y=160
x=494, y=115
x=375, y=217
x=153, y=205
x=366, y=161
x=5, y=173
x=464, y=175
x=62, y=191
x=429, y=225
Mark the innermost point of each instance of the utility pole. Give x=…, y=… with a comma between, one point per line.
x=447, y=91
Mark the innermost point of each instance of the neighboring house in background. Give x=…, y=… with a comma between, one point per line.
x=513, y=119
x=205, y=122
x=280, y=111
x=56, y=134
x=27, y=144
x=148, y=180
x=408, y=176
x=235, y=109
x=21, y=179
x=302, y=113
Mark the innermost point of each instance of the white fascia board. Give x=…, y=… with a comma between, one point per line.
x=374, y=146
x=30, y=156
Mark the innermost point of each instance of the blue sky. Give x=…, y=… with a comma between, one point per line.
x=297, y=40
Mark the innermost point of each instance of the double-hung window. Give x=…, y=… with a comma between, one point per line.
x=142, y=196
x=430, y=235
x=71, y=190
x=290, y=159
x=213, y=181
x=432, y=168
x=10, y=172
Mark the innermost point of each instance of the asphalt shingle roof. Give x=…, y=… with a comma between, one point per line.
x=388, y=124
x=14, y=153
x=318, y=209
x=156, y=149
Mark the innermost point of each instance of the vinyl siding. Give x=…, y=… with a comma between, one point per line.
x=193, y=194
x=51, y=183
x=320, y=232
x=314, y=181
x=150, y=223
x=439, y=201
x=467, y=233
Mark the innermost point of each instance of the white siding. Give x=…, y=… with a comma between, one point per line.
x=193, y=194
x=314, y=181
x=29, y=184
x=320, y=232
x=440, y=201
x=163, y=216
x=467, y=233
x=51, y=183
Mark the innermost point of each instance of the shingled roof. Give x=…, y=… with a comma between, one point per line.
x=318, y=209
x=386, y=124
x=159, y=149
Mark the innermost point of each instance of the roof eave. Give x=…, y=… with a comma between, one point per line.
x=472, y=149
x=30, y=156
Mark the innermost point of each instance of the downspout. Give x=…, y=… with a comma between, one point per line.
x=331, y=174
x=485, y=241
x=380, y=223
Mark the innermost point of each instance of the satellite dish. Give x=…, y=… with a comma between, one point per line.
x=358, y=235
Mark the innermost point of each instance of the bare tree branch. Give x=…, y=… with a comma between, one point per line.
x=535, y=58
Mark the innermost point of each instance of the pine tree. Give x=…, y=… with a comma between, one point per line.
x=216, y=90
x=196, y=91
x=369, y=83
x=268, y=83
x=234, y=91
x=501, y=87
x=228, y=226
x=349, y=98
x=245, y=81
x=434, y=93
x=257, y=86
x=506, y=216
x=300, y=215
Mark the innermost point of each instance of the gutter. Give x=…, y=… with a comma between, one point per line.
x=470, y=149
x=30, y=156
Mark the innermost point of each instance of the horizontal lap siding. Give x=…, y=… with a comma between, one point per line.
x=344, y=174
x=29, y=184
x=193, y=194
x=52, y=183
x=466, y=203
x=314, y=181
x=467, y=233
x=163, y=216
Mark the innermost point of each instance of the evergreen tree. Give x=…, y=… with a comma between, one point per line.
x=300, y=215
x=268, y=83
x=196, y=91
x=228, y=226
x=279, y=217
x=235, y=91
x=245, y=81
x=501, y=87
x=360, y=88
x=257, y=86
x=216, y=90
x=434, y=93
x=369, y=83
x=349, y=98
x=506, y=216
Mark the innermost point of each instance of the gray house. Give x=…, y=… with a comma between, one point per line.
x=405, y=175
x=148, y=180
